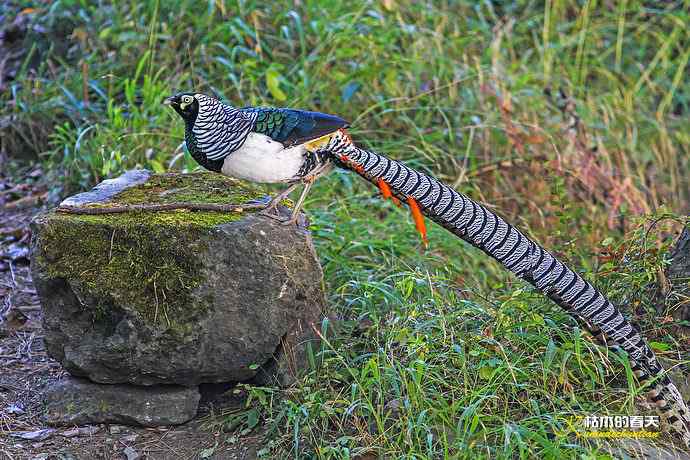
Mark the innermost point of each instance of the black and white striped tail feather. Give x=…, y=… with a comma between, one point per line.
x=525, y=258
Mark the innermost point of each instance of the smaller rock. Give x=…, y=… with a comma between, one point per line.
x=81, y=431
x=70, y=433
x=15, y=408
x=208, y=452
x=75, y=401
x=131, y=453
x=16, y=253
x=37, y=435
x=67, y=454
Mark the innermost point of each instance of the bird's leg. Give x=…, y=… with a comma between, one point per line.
x=308, y=181
x=271, y=210
x=322, y=169
x=298, y=206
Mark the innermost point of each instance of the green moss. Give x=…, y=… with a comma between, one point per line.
x=145, y=261
x=197, y=188
x=172, y=188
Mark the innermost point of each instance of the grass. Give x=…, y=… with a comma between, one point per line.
x=438, y=353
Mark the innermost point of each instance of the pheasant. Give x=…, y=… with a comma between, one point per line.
x=259, y=144
x=293, y=146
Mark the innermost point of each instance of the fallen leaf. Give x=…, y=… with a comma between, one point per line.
x=13, y=320
x=12, y=233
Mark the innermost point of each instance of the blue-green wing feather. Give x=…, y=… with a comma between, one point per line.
x=291, y=127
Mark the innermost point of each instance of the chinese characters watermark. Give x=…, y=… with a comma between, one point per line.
x=617, y=426
x=622, y=421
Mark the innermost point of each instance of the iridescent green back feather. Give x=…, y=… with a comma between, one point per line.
x=291, y=127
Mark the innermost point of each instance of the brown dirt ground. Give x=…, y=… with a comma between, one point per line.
x=26, y=369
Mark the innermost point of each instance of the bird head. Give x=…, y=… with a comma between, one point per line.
x=185, y=104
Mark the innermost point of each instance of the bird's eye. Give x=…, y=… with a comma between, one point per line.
x=187, y=99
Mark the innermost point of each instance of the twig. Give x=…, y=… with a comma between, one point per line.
x=16, y=188
x=14, y=280
x=27, y=201
x=11, y=387
x=161, y=207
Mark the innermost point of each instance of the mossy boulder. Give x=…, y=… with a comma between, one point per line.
x=179, y=297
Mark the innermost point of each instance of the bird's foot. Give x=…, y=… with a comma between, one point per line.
x=271, y=211
x=295, y=218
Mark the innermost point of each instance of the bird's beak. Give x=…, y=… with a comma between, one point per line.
x=169, y=100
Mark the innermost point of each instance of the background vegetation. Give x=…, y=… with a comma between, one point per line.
x=568, y=117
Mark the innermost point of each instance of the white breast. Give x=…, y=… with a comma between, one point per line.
x=261, y=159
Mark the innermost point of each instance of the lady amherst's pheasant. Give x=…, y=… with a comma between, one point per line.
x=293, y=146
x=257, y=144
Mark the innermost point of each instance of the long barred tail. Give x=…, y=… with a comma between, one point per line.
x=526, y=259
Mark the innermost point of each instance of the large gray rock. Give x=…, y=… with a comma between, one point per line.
x=74, y=401
x=176, y=297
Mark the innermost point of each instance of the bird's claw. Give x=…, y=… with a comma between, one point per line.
x=290, y=221
x=272, y=213
x=300, y=220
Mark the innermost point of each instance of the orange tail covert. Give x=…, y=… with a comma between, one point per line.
x=418, y=219
x=386, y=191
